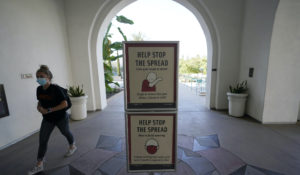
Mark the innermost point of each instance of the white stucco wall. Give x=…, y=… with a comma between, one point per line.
x=283, y=85
x=32, y=32
x=80, y=17
x=228, y=19
x=256, y=40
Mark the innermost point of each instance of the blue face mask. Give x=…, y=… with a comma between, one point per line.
x=41, y=81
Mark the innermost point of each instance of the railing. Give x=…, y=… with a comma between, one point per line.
x=195, y=82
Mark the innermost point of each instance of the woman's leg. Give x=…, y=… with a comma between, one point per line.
x=63, y=126
x=45, y=132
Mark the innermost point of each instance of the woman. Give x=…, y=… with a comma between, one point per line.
x=51, y=104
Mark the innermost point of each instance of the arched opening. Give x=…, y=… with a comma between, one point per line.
x=105, y=14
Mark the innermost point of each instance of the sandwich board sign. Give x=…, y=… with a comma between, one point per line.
x=151, y=141
x=150, y=69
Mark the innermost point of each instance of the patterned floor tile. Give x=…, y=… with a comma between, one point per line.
x=223, y=160
x=117, y=147
x=109, y=143
x=206, y=142
x=182, y=168
x=89, y=162
x=112, y=166
x=65, y=170
x=97, y=173
x=268, y=172
x=123, y=171
x=185, y=141
x=179, y=153
x=200, y=165
x=214, y=173
x=249, y=169
x=199, y=155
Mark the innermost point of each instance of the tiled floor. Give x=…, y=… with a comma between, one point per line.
x=205, y=157
x=209, y=142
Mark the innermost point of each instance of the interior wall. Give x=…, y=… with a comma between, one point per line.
x=80, y=19
x=256, y=41
x=32, y=33
x=282, y=89
x=228, y=19
x=299, y=111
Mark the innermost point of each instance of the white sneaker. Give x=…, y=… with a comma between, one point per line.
x=36, y=169
x=71, y=151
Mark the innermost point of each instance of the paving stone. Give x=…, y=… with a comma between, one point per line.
x=97, y=173
x=117, y=147
x=89, y=162
x=112, y=166
x=74, y=171
x=209, y=141
x=65, y=170
x=206, y=142
x=214, y=173
x=200, y=165
x=179, y=153
x=265, y=171
x=123, y=144
x=249, y=169
x=121, y=155
x=182, y=168
x=185, y=141
x=123, y=171
x=240, y=171
x=190, y=153
x=106, y=142
x=223, y=160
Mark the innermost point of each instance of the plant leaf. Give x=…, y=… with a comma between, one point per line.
x=124, y=20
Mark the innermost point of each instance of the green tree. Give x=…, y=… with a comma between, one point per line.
x=194, y=65
x=109, y=51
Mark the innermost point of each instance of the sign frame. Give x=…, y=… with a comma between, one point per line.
x=3, y=102
x=136, y=168
x=151, y=106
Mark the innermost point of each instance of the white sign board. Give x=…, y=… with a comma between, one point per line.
x=151, y=141
x=150, y=70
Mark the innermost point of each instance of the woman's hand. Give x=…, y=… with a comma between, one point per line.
x=42, y=110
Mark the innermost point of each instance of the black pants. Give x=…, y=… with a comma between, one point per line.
x=46, y=130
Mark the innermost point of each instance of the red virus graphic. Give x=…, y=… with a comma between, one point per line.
x=151, y=146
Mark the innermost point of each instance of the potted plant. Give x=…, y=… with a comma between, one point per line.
x=237, y=99
x=79, y=100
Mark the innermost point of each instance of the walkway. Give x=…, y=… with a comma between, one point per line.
x=209, y=142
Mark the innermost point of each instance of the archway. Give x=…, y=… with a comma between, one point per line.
x=102, y=19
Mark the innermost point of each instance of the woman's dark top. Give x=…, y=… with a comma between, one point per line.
x=50, y=98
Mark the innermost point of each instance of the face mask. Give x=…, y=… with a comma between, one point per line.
x=41, y=81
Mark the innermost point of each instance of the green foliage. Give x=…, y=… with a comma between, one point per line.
x=76, y=91
x=123, y=19
x=240, y=88
x=109, y=49
x=193, y=66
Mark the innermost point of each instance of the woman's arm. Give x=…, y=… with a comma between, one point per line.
x=61, y=106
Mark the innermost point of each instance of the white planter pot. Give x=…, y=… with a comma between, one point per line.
x=237, y=103
x=78, y=109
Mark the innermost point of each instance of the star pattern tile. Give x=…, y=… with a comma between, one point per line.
x=249, y=169
x=198, y=156
x=206, y=142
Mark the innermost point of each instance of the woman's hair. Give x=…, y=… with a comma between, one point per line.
x=45, y=69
